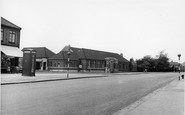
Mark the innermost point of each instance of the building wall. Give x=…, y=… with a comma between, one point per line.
x=123, y=66
x=41, y=64
x=6, y=33
x=134, y=69
x=95, y=65
x=87, y=65
x=55, y=64
x=6, y=36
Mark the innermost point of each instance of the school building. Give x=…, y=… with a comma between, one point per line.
x=87, y=60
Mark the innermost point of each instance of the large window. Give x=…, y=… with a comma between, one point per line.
x=2, y=34
x=96, y=64
x=102, y=64
x=92, y=63
x=50, y=64
x=73, y=64
x=12, y=36
x=59, y=64
x=88, y=64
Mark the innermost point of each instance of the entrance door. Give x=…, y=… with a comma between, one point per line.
x=44, y=66
x=111, y=64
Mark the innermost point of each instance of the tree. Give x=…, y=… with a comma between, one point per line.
x=139, y=65
x=147, y=62
x=130, y=64
x=162, y=63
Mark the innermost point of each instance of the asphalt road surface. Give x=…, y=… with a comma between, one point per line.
x=93, y=96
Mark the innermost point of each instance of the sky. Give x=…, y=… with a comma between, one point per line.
x=135, y=28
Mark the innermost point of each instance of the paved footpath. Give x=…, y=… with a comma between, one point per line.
x=7, y=79
x=168, y=100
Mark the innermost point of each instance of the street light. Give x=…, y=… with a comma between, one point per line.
x=68, y=50
x=179, y=55
x=68, y=59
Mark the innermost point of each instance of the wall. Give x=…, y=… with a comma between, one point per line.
x=42, y=61
x=62, y=64
x=86, y=65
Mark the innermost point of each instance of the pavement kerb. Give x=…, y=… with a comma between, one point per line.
x=124, y=73
x=47, y=80
x=137, y=103
x=131, y=73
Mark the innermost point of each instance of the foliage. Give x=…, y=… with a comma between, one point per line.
x=160, y=63
x=130, y=64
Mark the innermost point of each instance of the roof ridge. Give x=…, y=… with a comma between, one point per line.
x=93, y=50
x=34, y=47
x=100, y=51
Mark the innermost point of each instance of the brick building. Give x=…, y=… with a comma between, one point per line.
x=11, y=55
x=89, y=60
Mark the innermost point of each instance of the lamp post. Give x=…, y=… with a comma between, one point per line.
x=68, y=59
x=179, y=55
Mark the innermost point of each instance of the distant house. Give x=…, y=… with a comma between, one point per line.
x=42, y=55
x=88, y=60
x=10, y=42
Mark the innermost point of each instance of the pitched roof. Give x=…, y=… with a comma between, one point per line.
x=41, y=52
x=8, y=23
x=76, y=54
x=64, y=56
x=58, y=56
x=79, y=52
x=101, y=55
x=82, y=53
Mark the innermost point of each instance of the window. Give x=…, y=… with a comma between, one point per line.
x=12, y=35
x=102, y=64
x=92, y=63
x=73, y=64
x=2, y=34
x=65, y=63
x=88, y=64
x=62, y=63
x=55, y=64
x=51, y=63
x=59, y=64
x=98, y=64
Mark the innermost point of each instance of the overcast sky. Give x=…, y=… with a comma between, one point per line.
x=133, y=27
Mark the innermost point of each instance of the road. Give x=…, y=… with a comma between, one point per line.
x=94, y=96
